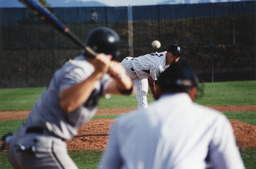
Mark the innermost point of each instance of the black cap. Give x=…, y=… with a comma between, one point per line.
x=174, y=49
x=177, y=78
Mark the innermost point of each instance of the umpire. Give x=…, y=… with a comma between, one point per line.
x=174, y=132
x=69, y=101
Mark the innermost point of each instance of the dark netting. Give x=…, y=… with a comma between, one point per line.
x=218, y=39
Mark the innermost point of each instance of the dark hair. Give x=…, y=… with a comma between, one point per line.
x=178, y=77
x=68, y=58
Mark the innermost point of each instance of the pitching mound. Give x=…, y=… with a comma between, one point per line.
x=94, y=134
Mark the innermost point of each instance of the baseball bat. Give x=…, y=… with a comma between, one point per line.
x=44, y=14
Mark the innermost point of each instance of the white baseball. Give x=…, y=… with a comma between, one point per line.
x=107, y=96
x=156, y=44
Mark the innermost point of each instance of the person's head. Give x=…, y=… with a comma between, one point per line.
x=173, y=54
x=103, y=40
x=178, y=78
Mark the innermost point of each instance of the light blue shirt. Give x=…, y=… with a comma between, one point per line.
x=173, y=133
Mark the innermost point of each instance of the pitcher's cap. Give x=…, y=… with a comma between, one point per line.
x=174, y=49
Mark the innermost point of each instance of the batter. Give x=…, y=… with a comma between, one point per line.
x=69, y=101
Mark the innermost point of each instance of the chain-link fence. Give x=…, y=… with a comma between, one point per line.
x=218, y=39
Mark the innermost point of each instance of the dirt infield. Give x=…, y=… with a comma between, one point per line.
x=93, y=135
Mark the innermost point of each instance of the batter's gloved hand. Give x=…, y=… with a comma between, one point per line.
x=5, y=140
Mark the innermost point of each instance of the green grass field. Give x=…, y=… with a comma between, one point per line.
x=220, y=93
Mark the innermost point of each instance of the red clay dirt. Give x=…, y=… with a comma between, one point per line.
x=94, y=134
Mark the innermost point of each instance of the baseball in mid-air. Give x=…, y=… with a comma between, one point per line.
x=156, y=44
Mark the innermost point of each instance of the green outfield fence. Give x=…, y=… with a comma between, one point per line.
x=218, y=39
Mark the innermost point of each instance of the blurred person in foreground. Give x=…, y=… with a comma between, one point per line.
x=174, y=132
x=69, y=101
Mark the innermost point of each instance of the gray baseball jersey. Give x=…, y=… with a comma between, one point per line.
x=140, y=68
x=48, y=123
x=172, y=133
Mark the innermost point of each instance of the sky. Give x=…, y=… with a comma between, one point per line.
x=89, y=3
x=153, y=2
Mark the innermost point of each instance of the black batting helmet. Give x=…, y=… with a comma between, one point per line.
x=103, y=40
x=178, y=77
